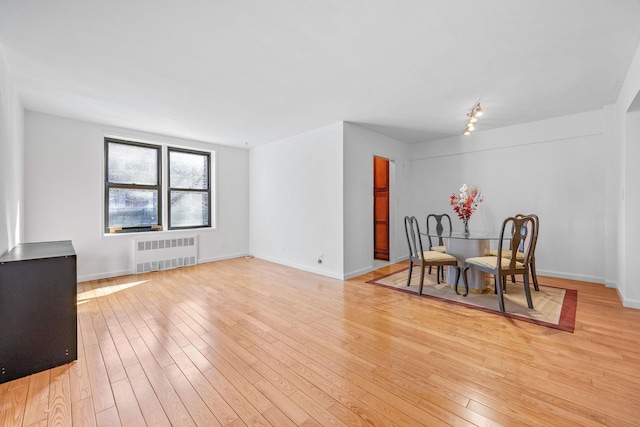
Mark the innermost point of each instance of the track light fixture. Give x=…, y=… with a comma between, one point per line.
x=476, y=112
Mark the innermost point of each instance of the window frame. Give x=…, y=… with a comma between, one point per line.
x=163, y=174
x=206, y=191
x=108, y=185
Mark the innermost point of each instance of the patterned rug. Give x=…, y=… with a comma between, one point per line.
x=553, y=307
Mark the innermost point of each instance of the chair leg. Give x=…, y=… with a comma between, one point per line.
x=504, y=284
x=442, y=270
x=438, y=273
x=421, y=279
x=513, y=279
x=410, y=271
x=499, y=288
x=527, y=291
x=429, y=269
x=464, y=279
x=466, y=284
x=534, y=276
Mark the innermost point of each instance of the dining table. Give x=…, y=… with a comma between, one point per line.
x=464, y=245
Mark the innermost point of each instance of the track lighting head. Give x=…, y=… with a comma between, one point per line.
x=476, y=112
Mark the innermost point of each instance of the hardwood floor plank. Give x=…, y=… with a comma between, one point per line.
x=170, y=401
x=282, y=402
x=191, y=336
x=133, y=320
x=238, y=403
x=128, y=409
x=82, y=412
x=98, y=378
x=59, y=397
x=18, y=383
x=211, y=395
x=108, y=418
x=318, y=412
x=157, y=348
x=37, y=404
x=277, y=418
x=12, y=405
x=405, y=415
x=197, y=408
x=234, y=375
x=79, y=381
x=150, y=406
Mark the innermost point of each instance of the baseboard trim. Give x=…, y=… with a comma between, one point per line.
x=571, y=276
x=321, y=272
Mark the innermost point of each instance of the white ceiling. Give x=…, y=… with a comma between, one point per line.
x=248, y=72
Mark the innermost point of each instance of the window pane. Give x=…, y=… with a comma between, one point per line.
x=132, y=164
x=188, y=170
x=132, y=208
x=189, y=209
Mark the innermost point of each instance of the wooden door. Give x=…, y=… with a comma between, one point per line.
x=381, y=208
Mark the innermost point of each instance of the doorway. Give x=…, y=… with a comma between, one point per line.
x=381, y=191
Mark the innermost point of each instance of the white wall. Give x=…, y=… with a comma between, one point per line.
x=626, y=142
x=11, y=161
x=553, y=168
x=296, y=212
x=631, y=287
x=360, y=146
x=64, y=164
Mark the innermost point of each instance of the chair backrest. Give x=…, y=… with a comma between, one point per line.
x=412, y=229
x=522, y=230
x=534, y=234
x=439, y=228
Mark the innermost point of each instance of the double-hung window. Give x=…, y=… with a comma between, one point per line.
x=189, y=189
x=134, y=187
x=133, y=196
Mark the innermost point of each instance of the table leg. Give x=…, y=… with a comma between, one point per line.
x=468, y=248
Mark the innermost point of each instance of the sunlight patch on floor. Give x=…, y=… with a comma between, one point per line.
x=106, y=290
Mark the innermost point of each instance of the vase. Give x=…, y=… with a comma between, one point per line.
x=466, y=227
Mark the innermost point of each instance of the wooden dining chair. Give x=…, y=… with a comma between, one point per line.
x=426, y=258
x=514, y=231
x=534, y=243
x=520, y=253
x=437, y=224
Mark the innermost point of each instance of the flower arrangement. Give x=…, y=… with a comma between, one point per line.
x=467, y=202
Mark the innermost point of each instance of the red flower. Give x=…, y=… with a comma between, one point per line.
x=467, y=202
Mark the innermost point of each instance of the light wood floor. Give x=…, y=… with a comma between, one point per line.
x=247, y=342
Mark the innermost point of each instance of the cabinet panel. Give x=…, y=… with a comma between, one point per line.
x=38, y=314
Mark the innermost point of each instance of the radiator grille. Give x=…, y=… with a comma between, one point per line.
x=163, y=254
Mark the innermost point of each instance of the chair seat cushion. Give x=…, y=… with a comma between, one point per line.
x=433, y=256
x=491, y=262
x=519, y=255
x=441, y=249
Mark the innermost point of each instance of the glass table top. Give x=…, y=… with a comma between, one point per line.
x=473, y=235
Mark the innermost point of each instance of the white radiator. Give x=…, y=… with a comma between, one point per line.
x=163, y=254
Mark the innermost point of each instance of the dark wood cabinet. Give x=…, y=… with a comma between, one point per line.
x=38, y=308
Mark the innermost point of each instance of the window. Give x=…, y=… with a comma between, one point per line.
x=189, y=189
x=134, y=187
x=133, y=190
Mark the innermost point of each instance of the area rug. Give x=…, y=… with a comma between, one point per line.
x=553, y=307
